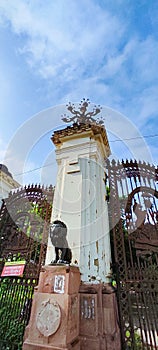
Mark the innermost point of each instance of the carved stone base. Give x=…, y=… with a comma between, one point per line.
x=30, y=346
x=54, y=321
x=67, y=315
x=99, y=328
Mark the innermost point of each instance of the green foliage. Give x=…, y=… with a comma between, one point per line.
x=107, y=193
x=12, y=334
x=12, y=320
x=138, y=345
x=138, y=341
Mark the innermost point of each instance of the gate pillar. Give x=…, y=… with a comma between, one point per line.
x=54, y=321
x=80, y=202
x=80, y=198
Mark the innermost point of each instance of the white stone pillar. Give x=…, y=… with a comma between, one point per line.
x=80, y=198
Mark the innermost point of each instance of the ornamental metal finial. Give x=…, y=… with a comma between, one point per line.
x=82, y=115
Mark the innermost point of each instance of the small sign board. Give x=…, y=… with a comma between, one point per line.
x=59, y=285
x=13, y=268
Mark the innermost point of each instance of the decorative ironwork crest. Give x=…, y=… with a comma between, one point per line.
x=83, y=115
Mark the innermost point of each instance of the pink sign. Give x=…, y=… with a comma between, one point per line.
x=13, y=269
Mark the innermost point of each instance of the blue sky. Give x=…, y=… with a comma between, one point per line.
x=53, y=52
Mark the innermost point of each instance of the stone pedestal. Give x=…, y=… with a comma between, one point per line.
x=54, y=321
x=99, y=326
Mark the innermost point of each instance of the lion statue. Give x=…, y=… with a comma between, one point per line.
x=58, y=233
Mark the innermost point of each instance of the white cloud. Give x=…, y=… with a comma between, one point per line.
x=68, y=40
x=83, y=50
x=147, y=104
x=64, y=36
x=145, y=60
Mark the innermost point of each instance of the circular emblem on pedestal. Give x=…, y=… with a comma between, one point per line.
x=48, y=318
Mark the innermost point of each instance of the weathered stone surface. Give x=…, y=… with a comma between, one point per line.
x=99, y=327
x=48, y=318
x=54, y=321
x=30, y=346
x=80, y=198
x=59, y=279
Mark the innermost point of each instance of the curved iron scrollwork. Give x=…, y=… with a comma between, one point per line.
x=142, y=220
x=24, y=222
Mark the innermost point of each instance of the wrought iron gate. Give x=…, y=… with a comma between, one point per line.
x=24, y=220
x=134, y=237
